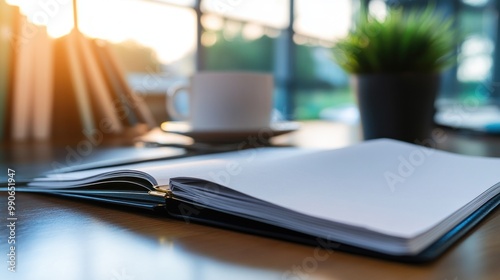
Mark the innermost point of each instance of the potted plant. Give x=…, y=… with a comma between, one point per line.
x=396, y=62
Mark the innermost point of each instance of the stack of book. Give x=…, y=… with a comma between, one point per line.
x=72, y=85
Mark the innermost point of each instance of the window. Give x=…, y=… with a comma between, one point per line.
x=323, y=19
x=258, y=36
x=475, y=69
x=273, y=13
x=171, y=39
x=152, y=39
x=246, y=35
x=473, y=78
x=319, y=83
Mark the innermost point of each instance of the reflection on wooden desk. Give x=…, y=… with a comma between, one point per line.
x=63, y=239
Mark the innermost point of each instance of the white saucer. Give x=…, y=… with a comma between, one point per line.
x=262, y=135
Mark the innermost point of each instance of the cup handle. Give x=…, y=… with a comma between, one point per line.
x=171, y=96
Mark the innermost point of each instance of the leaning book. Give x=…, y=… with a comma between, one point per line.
x=381, y=198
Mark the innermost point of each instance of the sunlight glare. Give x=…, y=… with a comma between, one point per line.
x=208, y=39
x=212, y=22
x=56, y=15
x=330, y=22
x=267, y=12
x=252, y=31
x=378, y=9
x=474, y=69
x=476, y=3
x=168, y=30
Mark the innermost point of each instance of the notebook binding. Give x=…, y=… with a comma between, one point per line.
x=162, y=191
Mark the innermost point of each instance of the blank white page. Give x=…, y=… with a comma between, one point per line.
x=349, y=185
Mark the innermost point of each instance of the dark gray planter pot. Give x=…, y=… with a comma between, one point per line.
x=398, y=106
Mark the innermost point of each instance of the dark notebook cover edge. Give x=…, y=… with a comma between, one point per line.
x=191, y=212
x=178, y=210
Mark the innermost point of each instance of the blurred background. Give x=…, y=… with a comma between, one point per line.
x=161, y=43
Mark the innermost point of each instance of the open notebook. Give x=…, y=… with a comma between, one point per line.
x=381, y=197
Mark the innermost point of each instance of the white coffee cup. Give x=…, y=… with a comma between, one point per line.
x=226, y=101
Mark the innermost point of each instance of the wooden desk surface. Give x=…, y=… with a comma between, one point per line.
x=58, y=238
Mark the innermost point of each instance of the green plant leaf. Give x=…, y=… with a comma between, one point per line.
x=405, y=41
